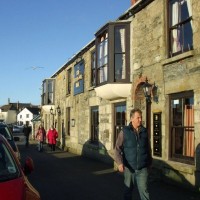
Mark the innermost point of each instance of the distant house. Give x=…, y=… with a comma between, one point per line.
x=27, y=115
x=9, y=112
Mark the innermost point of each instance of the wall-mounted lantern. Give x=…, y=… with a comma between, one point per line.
x=147, y=90
x=58, y=111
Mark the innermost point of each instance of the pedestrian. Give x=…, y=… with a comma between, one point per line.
x=26, y=131
x=41, y=137
x=52, y=135
x=133, y=156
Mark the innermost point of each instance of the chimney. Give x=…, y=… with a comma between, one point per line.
x=8, y=101
x=133, y=2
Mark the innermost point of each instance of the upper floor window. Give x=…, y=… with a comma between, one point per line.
x=180, y=26
x=120, y=53
x=182, y=127
x=48, y=92
x=79, y=77
x=27, y=115
x=69, y=71
x=102, y=58
x=113, y=53
x=93, y=68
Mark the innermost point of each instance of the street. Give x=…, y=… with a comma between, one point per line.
x=64, y=176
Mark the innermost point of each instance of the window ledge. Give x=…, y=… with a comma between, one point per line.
x=185, y=168
x=178, y=57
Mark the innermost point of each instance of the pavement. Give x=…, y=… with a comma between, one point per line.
x=74, y=177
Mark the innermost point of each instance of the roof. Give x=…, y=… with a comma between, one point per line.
x=17, y=106
x=36, y=119
x=35, y=111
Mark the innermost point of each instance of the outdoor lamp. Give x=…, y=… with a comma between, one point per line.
x=51, y=110
x=58, y=110
x=147, y=90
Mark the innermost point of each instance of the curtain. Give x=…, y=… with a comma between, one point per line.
x=189, y=132
x=122, y=41
x=176, y=46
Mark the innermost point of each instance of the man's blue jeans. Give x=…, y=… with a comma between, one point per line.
x=140, y=178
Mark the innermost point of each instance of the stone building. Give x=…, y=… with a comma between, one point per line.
x=154, y=45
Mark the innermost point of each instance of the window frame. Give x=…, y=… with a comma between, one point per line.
x=93, y=139
x=180, y=26
x=172, y=138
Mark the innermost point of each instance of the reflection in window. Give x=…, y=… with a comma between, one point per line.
x=180, y=18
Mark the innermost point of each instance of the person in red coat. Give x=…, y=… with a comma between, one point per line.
x=41, y=137
x=52, y=135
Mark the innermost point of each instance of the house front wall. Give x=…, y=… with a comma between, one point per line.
x=149, y=53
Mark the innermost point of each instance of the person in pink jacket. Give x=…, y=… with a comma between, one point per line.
x=41, y=137
x=52, y=135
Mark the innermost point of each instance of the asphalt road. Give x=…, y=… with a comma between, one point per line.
x=64, y=176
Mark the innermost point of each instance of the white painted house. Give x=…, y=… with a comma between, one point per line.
x=26, y=115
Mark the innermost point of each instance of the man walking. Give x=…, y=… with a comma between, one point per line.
x=27, y=131
x=133, y=156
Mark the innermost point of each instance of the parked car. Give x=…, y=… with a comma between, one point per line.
x=17, y=129
x=14, y=184
x=6, y=132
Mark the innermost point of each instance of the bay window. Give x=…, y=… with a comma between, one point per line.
x=113, y=53
x=48, y=92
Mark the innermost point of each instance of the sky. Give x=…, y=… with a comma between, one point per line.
x=37, y=37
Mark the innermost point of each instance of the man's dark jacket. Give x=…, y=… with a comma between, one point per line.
x=136, y=148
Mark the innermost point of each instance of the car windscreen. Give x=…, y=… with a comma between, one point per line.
x=6, y=133
x=8, y=167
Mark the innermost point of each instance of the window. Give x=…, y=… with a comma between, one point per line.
x=68, y=118
x=79, y=78
x=180, y=26
x=94, y=124
x=27, y=115
x=48, y=92
x=102, y=59
x=113, y=53
x=120, y=56
x=93, y=68
x=182, y=127
x=69, y=71
x=120, y=119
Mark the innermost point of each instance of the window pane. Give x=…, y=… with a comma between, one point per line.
x=180, y=24
x=119, y=40
x=102, y=74
x=177, y=112
x=182, y=130
x=184, y=10
x=187, y=31
x=120, y=70
x=102, y=53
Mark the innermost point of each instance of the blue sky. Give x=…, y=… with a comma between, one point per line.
x=45, y=34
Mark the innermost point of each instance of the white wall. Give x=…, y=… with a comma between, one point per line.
x=25, y=116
